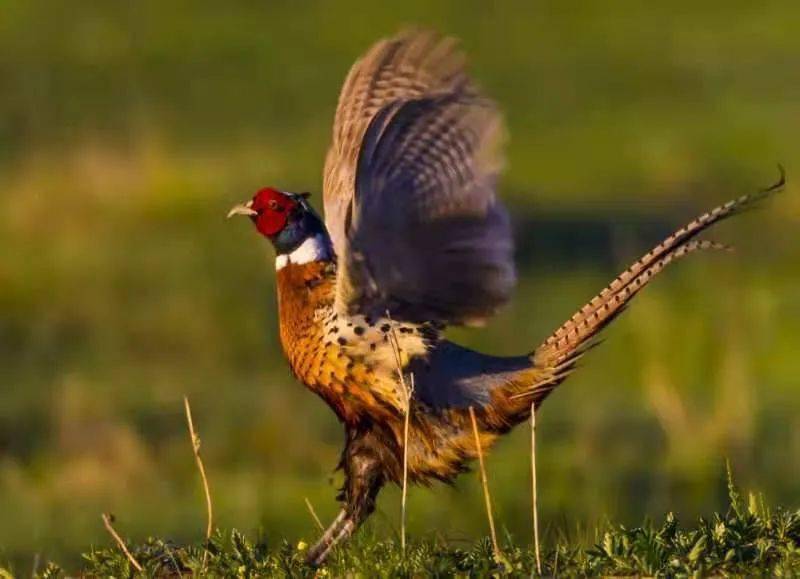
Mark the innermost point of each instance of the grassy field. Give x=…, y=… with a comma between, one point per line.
x=127, y=130
x=749, y=539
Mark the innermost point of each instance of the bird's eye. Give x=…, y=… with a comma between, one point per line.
x=273, y=205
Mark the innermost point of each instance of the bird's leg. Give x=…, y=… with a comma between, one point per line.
x=328, y=536
x=363, y=480
x=319, y=552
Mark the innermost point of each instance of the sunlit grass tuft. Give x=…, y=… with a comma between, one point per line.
x=748, y=539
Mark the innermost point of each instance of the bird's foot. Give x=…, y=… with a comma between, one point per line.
x=340, y=530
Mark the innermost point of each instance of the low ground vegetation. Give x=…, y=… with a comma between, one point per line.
x=749, y=539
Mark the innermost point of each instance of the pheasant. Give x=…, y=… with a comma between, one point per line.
x=414, y=240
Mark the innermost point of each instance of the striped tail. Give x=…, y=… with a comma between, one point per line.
x=557, y=355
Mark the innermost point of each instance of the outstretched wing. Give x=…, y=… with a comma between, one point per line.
x=405, y=67
x=409, y=188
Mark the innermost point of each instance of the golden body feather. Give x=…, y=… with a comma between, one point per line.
x=350, y=363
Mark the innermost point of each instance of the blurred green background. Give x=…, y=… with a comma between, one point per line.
x=127, y=129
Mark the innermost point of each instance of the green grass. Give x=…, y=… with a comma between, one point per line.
x=748, y=539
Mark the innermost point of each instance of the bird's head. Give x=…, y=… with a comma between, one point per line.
x=286, y=219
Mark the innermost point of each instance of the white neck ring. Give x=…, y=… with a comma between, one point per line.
x=314, y=248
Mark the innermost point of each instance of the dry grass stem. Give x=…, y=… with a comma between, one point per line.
x=398, y=360
x=408, y=392
x=314, y=514
x=404, y=494
x=196, y=450
x=485, y=482
x=107, y=520
x=534, y=502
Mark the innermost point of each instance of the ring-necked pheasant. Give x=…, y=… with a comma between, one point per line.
x=415, y=239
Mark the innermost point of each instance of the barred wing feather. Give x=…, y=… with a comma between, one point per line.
x=423, y=234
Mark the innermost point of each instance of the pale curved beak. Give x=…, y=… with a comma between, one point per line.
x=242, y=209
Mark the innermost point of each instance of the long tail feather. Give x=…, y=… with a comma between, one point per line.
x=557, y=355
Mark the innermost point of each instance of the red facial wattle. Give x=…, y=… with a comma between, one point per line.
x=273, y=210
